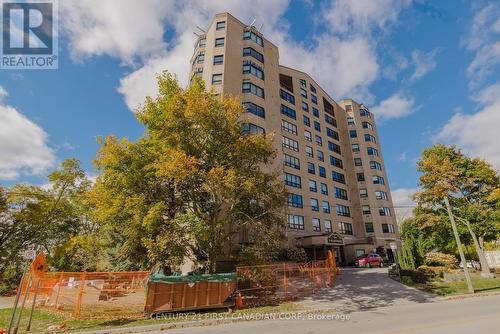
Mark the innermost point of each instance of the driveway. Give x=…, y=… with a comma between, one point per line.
x=358, y=289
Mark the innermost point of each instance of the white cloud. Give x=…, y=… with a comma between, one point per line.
x=23, y=144
x=402, y=156
x=125, y=29
x=362, y=16
x=403, y=202
x=396, y=106
x=477, y=133
x=483, y=39
x=424, y=62
x=116, y=28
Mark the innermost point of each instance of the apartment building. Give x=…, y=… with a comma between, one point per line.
x=329, y=152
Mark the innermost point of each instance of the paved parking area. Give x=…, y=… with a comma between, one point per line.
x=358, y=289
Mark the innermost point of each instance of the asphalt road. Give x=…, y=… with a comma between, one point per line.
x=458, y=316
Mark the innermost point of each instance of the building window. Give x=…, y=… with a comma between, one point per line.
x=343, y=210
x=307, y=120
x=336, y=162
x=328, y=107
x=350, y=120
x=202, y=42
x=370, y=138
x=295, y=201
x=378, y=180
x=321, y=156
x=328, y=226
x=367, y=125
x=216, y=79
x=305, y=106
x=332, y=134
x=303, y=83
x=381, y=195
x=218, y=60
x=310, y=168
x=314, y=204
x=291, y=161
x=324, y=189
x=296, y=222
x=201, y=57
x=314, y=99
x=334, y=147
x=345, y=228
x=292, y=180
x=338, y=177
x=307, y=135
x=353, y=134
x=358, y=162
x=369, y=228
x=363, y=193
x=330, y=120
x=360, y=177
x=253, y=53
x=309, y=151
x=253, y=36
x=366, y=209
x=249, y=87
x=303, y=93
x=290, y=144
x=252, y=108
x=252, y=68
x=288, y=111
x=384, y=211
x=219, y=42
x=220, y=25
x=252, y=129
x=288, y=127
x=322, y=171
x=375, y=165
x=312, y=186
x=316, y=225
x=312, y=88
x=364, y=112
x=372, y=151
x=319, y=140
x=388, y=228
x=287, y=96
x=317, y=126
x=315, y=112
x=355, y=147
x=340, y=193
x=286, y=82
x=326, y=206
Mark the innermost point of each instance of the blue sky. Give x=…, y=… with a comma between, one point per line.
x=428, y=69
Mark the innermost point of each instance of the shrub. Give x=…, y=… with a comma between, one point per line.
x=291, y=254
x=415, y=275
x=433, y=271
x=440, y=259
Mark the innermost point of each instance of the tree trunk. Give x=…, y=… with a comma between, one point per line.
x=485, y=270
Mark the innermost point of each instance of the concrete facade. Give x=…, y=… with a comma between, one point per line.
x=329, y=152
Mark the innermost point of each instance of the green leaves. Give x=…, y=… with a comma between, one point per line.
x=190, y=183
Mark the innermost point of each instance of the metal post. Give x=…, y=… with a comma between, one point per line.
x=18, y=295
x=28, y=328
x=22, y=304
x=80, y=294
x=459, y=245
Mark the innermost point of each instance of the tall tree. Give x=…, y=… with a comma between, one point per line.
x=468, y=182
x=191, y=183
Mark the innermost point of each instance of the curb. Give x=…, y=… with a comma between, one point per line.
x=193, y=323
x=472, y=295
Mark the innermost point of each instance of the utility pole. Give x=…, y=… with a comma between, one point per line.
x=459, y=245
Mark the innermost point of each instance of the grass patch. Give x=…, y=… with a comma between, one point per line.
x=43, y=319
x=444, y=288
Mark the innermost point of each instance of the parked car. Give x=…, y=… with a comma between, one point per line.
x=369, y=260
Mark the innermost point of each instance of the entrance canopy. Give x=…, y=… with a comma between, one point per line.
x=327, y=239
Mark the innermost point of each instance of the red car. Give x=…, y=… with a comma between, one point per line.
x=369, y=260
